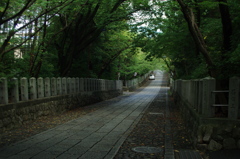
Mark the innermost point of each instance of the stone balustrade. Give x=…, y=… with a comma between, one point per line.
x=136, y=82
x=197, y=102
x=201, y=95
x=23, y=89
x=23, y=100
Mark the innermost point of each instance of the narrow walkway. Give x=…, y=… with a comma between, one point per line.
x=98, y=134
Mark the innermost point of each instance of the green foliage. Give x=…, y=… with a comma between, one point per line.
x=79, y=38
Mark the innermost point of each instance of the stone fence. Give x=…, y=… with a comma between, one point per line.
x=198, y=102
x=30, y=89
x=24, y=100
x=131, y=85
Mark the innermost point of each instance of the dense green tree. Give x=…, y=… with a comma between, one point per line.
x=89, y=38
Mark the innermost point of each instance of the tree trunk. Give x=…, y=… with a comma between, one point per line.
x=226, y=25
x=197, y=36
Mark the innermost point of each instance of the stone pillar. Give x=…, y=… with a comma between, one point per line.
x=209, y=85
x=3, y=91
x=200, y=96
x=98, y=85
x=103, y=88
x=47, y=87
x=179, y=87
x=95, y=84
x=81, y=84
x=91, y=84
x=14, y=91
x=64, y=85
x=33, y=88
x=24, y=89
x=77, y=86
x=59, y=86
x=85, y=84
x=73, y=85
x=233, y=101
x=40, y=87
x=69, y=85
x=53, y=86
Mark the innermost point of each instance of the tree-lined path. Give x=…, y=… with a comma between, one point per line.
x=98, y=134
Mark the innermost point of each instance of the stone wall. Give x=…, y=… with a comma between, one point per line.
x=131, y=85
x=209, y=133
x=15, y=114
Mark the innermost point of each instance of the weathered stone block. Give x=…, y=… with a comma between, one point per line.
x=202, y=147
x=218, y=137
x=214, y=146
x=236, y=133
x=208, y=133
x=200, y=135
x=6, y=121
x=229, y=143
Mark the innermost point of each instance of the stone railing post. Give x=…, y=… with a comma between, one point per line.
x=103, y=85
x=85, y=84
x=59, y=86
x=15, y=91
x=97, y=84
x=64, y=86
x=179, y=87
x=92, y=84
x=107, y=84
x=209, y=85
x=77, y=86
x=233, y=101
x=69, y=85
x=195, y=94
x=81, y=84
x=33, y=88
x=40, y=87
x=47, y=87
x=200, y=96
x=3, y=91
x=117, y=84
x=183, y=89
x=53, y=86
x=24, y=89
x=73, y=85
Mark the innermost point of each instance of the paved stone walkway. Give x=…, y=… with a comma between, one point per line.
x=98, y=134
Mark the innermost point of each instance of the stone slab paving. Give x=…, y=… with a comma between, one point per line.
x=98, y=134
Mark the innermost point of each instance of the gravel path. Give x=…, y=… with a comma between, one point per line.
x=150, y=131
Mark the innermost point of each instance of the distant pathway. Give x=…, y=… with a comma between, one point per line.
x=98, y=134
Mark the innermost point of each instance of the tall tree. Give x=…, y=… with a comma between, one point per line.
x=197, y=36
